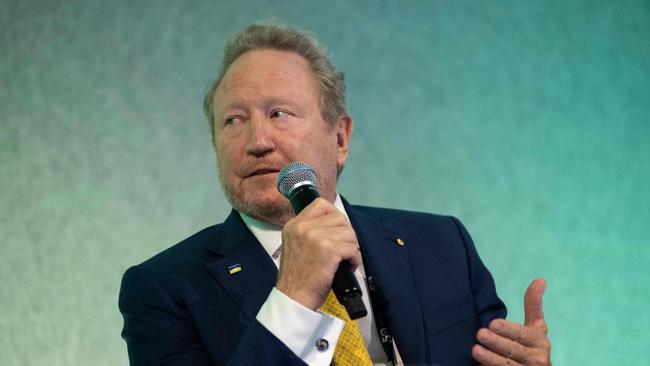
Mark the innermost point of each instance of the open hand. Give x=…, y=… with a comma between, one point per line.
x=509, y=343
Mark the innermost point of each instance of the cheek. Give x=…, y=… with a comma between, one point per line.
x=324, y=158
x=227, y=160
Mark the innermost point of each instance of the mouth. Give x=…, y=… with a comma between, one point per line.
x=262, y=172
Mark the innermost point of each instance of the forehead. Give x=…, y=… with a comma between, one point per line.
x=266, y=74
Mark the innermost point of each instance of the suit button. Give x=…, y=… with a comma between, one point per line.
x=322, y=344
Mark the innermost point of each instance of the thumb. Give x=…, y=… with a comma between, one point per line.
x=533, y=303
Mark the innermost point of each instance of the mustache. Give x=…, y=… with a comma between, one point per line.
x=263, y=166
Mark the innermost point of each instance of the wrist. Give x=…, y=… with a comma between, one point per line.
x=301, y=297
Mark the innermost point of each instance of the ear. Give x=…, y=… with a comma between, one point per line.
x=344, y=127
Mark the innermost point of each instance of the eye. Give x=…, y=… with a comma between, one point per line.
x=230, y=120
x=278, y=113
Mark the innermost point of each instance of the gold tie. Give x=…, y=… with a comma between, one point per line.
x=350, y=349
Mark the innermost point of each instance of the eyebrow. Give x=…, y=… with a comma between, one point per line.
x=267, y=104
x=275, y=101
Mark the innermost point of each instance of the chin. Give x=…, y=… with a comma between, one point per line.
x=265, y=206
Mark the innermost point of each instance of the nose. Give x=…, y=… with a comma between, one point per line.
x=260, y=137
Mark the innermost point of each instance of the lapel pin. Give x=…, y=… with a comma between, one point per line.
x=400, y=242
x=234, y=269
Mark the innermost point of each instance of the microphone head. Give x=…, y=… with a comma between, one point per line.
x=294, y=175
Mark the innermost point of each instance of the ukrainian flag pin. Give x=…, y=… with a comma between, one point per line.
x=234, y=268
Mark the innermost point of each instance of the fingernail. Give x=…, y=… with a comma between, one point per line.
x=481, y=335
x=496, y=326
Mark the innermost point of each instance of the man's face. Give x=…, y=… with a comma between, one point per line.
x=267, y=113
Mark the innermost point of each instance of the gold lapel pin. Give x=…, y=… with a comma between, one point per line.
x=400, y=242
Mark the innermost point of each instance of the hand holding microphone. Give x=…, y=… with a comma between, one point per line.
x=319, y=246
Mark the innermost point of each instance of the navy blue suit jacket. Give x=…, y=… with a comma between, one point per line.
x=183, y=307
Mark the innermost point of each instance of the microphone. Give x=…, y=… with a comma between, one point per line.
x=297, y=182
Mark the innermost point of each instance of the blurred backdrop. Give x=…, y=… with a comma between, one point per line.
x=528, y=120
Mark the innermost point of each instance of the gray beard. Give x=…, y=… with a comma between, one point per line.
x=276, y=213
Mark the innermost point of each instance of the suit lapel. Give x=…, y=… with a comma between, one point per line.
x=386, y=261
x=389, y=264
x=239, y=249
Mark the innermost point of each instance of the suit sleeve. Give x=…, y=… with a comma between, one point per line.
x=159, y=331
x=487, y=303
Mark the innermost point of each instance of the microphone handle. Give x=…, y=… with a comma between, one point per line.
x=302, y=196
x=345, y=284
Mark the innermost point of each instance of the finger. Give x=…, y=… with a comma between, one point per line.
x=503, y=346
x=316, y=208
x=490, y=358
x=534, y=313
x=329, y=227
x=526, y=335
x=348, y=252
x=330, y=218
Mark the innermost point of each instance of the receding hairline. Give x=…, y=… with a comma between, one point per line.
x=300, y=60
x=274, y=35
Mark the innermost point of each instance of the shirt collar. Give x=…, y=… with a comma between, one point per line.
x=270, y=236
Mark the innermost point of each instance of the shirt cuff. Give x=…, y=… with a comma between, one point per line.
x=311, y=335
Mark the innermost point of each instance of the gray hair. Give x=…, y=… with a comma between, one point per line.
x=276, y=36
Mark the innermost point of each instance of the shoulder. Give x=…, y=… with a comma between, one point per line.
x=425, y=233
x=414, y=220
x=171, y=270
x=192, y=247
x=383, y=212
x=187, y=255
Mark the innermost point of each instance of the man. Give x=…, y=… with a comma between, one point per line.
x=218, y=297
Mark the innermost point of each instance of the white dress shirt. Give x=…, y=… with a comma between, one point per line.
x=298, y=327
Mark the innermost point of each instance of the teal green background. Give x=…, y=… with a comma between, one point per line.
x=526, y=119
